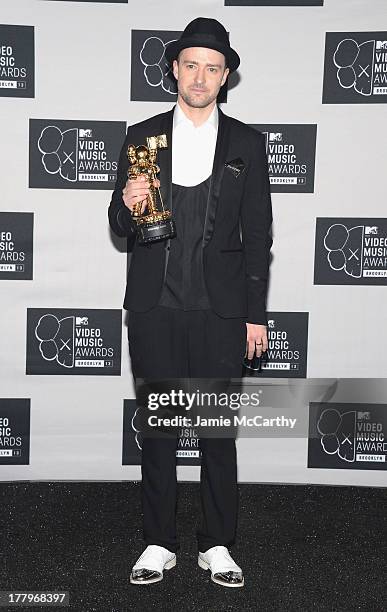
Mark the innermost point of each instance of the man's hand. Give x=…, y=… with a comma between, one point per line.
x=136, y=191
x=256, y=340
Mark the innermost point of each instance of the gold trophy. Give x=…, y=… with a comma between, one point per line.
x=154, y=224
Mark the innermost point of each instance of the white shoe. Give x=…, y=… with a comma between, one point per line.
x=223, y=568
x=151, y=563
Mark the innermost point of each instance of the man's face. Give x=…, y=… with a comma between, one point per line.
x=200, y=73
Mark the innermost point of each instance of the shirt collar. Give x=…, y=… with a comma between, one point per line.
x=179, y=116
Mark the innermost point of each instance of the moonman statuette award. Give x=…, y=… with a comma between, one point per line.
x=153, y=224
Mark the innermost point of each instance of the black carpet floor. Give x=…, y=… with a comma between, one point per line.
x=302, y=548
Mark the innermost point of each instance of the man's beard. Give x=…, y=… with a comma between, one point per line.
x=195, y=101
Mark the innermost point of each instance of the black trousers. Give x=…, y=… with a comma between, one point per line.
x=172, y=343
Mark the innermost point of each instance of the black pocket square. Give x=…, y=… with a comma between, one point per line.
x=236, y=166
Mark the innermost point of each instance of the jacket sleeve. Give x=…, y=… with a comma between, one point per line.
x=256, y=222
x=120, y=218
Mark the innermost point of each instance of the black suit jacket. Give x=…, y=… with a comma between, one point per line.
x=237, y=232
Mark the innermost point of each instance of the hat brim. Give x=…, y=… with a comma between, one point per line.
x=174, y=48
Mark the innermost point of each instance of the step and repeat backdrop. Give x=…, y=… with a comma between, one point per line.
x=74, y=74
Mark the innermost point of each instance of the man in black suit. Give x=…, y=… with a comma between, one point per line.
x=197, y=301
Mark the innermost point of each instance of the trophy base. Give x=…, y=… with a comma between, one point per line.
x=158, y=230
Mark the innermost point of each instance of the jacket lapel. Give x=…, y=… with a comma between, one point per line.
x=220, y=155
x=165, y=175
x=164, y=157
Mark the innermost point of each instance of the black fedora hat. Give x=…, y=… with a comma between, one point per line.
x=204, y=32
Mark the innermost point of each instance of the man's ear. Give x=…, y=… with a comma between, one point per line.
x=175, y=69
x=225, y=75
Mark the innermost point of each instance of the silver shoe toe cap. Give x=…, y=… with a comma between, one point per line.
x=229, y=577
x=145, y=574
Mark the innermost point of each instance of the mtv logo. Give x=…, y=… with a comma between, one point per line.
x=275, y=136
x=271, y=323
x=371, y=229
x=85, y=133
x=381, y=44
x=363, y=416
x=81, y=320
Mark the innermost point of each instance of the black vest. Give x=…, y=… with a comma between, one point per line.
x=184, y=285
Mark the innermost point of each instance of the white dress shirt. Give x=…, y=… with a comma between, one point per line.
x=193, y=148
